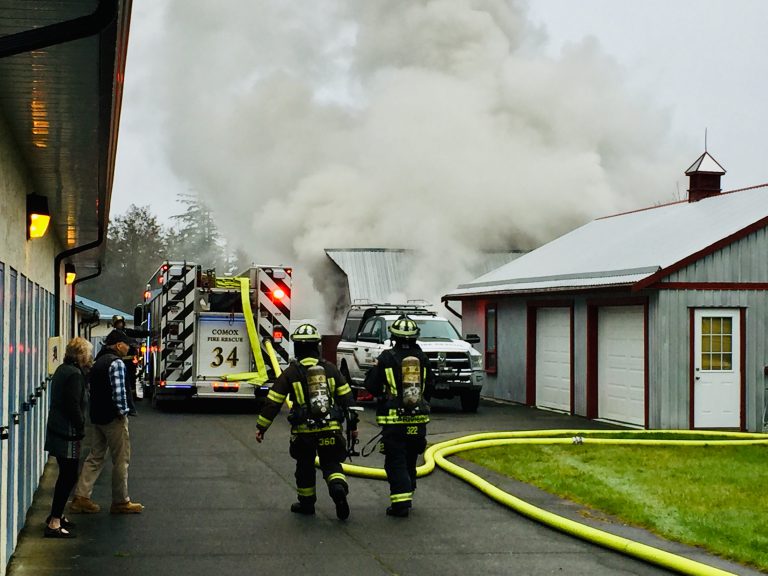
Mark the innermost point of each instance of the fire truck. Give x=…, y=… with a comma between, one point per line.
x=214, y=336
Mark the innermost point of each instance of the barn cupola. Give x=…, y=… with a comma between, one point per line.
x=704, y=177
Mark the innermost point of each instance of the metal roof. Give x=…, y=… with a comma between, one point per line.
x=373, y=274
x=61, y=73
x=705, y=163
x=105, y=312
x=626, y=248
x=378, y=275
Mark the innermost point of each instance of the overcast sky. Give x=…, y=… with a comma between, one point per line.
x=314, y=125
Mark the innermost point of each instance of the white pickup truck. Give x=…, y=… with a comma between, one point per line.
x=457, y=366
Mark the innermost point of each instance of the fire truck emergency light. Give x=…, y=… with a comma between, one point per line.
x=277, y=335
x=278, y=294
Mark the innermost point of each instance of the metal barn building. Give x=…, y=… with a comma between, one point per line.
x=656, y=318
x=61, y=74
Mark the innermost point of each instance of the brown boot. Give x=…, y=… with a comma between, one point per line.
x=83, y=505
x=126, y=508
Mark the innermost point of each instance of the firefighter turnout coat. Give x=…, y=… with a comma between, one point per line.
x=292, y=383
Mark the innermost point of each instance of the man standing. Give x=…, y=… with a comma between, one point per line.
x=109, y=416
x=398, y=381
x=320, y=399
x=118, y=323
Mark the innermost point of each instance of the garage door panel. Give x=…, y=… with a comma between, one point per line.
x=553, y=358
x=621, y=364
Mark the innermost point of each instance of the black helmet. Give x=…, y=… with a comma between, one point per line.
x=404, y=328
x=306, y=333
x=117, y=318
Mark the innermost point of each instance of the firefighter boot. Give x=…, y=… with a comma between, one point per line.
x=399, y=510
x=338, y=491
x=305, y=505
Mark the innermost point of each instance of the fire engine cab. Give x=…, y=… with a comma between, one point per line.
x=214, y=337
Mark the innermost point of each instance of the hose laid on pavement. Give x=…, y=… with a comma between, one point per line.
x=437, y=454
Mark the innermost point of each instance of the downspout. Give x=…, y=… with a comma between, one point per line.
x=451, y=310
x=77, y=281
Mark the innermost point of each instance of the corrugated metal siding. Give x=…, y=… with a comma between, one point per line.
x=670, y=353
x=742, y=261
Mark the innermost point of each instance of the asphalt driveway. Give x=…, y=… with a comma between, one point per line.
x=217, y=503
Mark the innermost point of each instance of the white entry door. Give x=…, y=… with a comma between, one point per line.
x=553, y=358
x=717, y=369
x=621, y=364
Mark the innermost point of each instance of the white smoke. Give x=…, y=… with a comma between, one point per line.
x=435, y=125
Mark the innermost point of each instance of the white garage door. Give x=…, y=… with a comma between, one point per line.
x=621, y=364
x=553, y=358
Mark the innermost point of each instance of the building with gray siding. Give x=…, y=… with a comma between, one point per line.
x=61, y=74
x=654, y=318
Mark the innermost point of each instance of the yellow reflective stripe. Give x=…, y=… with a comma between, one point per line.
x=394, y=418
x=337, y=476
x=299, y=392
x=308, y=361
x=391, y=381
x=275, y=397
x=332, y=385
x=264, y=422
x=306, y=491
x=304, y=429
x=404, y=497
x=344, y=389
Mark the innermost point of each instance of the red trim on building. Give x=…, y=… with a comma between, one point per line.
x=530, y=347
x=593, y=307
x=742, y=366
x=491, y=356
x=573, y=356
x=646, y=382
x=654, y=278
x=710, y=286
x=691, y=364
x=592, y=361
x=530, y=355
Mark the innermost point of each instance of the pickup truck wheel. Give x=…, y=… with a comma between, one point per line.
x=470, y=400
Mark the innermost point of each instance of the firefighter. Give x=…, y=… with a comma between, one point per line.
x=320, y=398
x=398, y=380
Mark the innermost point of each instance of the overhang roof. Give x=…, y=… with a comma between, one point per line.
x=628, y=249
x=61, y=76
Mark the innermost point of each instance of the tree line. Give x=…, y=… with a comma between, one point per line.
x=137, y=243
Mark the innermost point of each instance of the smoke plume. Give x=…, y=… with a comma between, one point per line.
x=435, y=125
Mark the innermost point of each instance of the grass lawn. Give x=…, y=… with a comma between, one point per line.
x=714, y=497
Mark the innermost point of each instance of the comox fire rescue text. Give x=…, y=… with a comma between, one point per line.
x=214, y=336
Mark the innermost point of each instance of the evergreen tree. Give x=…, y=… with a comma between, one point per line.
x=196, y=239
x=135, y=247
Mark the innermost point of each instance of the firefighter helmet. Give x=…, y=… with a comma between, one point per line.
x=306, y=333
x=117, y=318
x=404, y=328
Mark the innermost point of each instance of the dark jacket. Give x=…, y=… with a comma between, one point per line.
x=103, y=407
x=66, y=416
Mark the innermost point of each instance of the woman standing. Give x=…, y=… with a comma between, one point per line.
x=66, y=429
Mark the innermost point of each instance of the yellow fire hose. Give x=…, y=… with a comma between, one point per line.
x=437, y=454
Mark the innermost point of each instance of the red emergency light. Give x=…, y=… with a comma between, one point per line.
x=147, y=294
x=278, y=294
x=277, y=335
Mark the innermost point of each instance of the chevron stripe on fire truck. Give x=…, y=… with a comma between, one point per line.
x=275, y=314
x=177, y=310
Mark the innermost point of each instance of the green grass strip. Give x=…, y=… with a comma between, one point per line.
x=714, y=496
